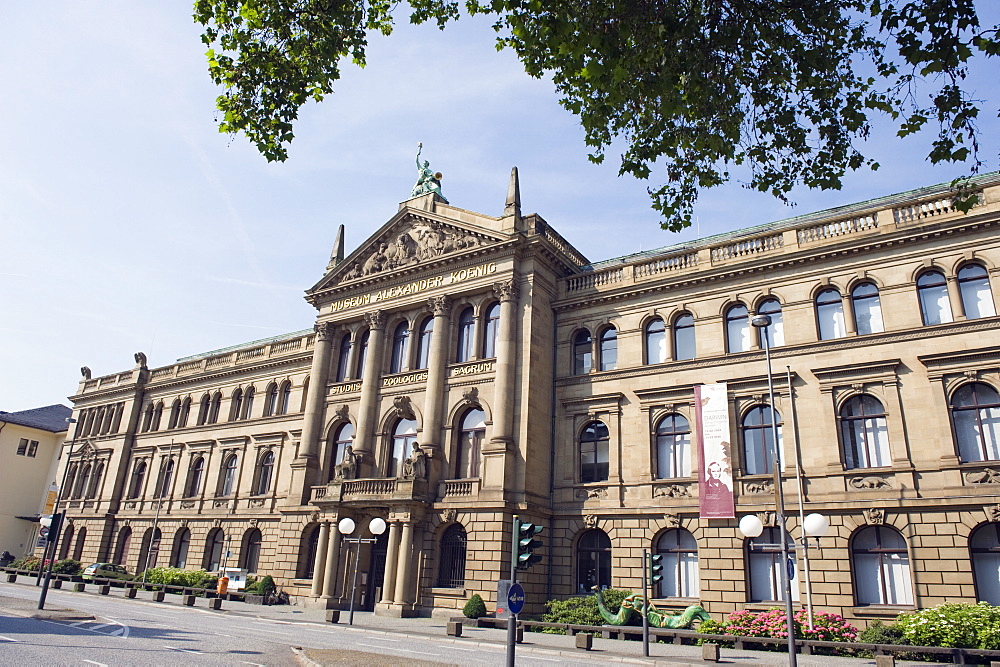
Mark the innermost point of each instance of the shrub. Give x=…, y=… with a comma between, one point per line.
x=67, y=566
x=583, y=610
x=173, y=576
x=714, y=627
x=880, y=633
x=773, y=624
x=263, y=586
x=475, y=607
x=26, y=563
x=953, y=626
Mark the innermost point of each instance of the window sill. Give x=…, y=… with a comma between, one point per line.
x=448, y=592
x=883, y=610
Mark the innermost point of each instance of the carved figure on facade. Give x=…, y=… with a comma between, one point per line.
x=85, y=372
x=449, y=515
x=415, y=465
x=140, y=359
x=758, y=487
x=253, y=523
x=671, y=520
x=402, y=408
x=427, y=180
x=875, y=516
x=590, y=520
x=343, y=413
x=766, y=519
x=416, y=242
x=870, y=482
x=348, y=467
x=992, y=513
x=672, y=491
x=987, y=476
x=471, y=396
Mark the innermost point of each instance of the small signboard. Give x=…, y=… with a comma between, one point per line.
x=515, y=599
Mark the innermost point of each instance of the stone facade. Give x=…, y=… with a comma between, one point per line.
x=537, y=383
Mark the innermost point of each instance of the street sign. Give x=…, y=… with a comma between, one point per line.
x=515, y=599
x=790, y=563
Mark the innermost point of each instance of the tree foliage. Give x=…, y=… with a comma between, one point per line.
x=785, y=88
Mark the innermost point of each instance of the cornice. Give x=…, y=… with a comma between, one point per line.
x=962, y=357
x=230, y=371
x=858, y=369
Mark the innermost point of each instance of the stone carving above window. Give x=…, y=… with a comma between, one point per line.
x=987, y=476
x=992, y=513
x=672, y=491
x=870, y=482
x=590, y=520
x=402, y=409
x=592, y=493
x=875, y=516
x=757, y=488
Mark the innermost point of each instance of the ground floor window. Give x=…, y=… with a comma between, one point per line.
x=593, y=561
x=984, y=544
x=452, y=570
x=881, y=567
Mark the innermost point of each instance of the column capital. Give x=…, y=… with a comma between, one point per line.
x=440, y=305
x=506, y=290
x=376, y=320
x=324, y=331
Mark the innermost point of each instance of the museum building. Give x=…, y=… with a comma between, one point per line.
x=465, y=368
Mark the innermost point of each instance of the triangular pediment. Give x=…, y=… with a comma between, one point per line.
x=409, y=239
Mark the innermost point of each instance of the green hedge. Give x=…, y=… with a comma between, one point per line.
x=952, y=626
x=583, y=610
x=173, y=576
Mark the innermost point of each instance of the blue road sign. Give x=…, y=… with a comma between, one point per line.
x=791, y=568
x=515, y=599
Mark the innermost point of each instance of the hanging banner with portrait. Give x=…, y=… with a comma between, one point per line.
x=715, y=470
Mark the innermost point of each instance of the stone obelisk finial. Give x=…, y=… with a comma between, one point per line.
x=513, y=206
x=337, y=256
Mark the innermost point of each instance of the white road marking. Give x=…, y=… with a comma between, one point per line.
x=255, y=664
x=8, y=639
x=276, y=632
x=403, y=650
x=535, y=657
x=99, y=664
x=98, y=627
x=183, y=650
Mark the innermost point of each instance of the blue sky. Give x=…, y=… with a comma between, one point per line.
x=129, y=223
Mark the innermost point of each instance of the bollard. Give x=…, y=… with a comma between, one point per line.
x=333, y=616
x=454, y=629
x=57, y=583
x=584, y=640
x=188, y=601
x=130, y=592
x=104, y=590
x=79, y=587
x=710, y=652
x=215, y=603
x=885, y=661
x=519, y=634
x=11, y=578
x=157, y=596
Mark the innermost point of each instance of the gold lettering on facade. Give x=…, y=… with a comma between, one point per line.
x=348, y=388
x=415, y=287
x=471, y=369
x=404, y=379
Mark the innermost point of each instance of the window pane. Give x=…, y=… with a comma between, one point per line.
x=399, y=348
x=424, y=345
x=737, y=329
x=830, y=315
x=490, y=333
x=362, y=355
x=684, y=338
x=466, y=335
x=582, y=349
x=933, y=293
x=974, y=284
x=775, y=331
x=344, y=359
x=656, y=342
x=609, y=349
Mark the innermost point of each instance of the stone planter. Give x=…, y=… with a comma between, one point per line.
x=253, y=599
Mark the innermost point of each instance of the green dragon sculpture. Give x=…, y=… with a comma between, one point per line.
x=657, y=618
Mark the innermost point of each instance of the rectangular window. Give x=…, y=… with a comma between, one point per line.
x=33, y=448
x=22, y=447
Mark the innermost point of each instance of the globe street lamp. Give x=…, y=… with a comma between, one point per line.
x=57, y=521
x=346, y=526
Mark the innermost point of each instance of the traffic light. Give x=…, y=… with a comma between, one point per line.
x=50, y=525
x=526, y=544
x=655, y=568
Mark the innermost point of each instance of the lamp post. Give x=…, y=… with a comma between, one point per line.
x=55, y=512
x=163, y=483
x=346, y=526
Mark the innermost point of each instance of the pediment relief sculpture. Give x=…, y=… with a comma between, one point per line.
x=410, y=244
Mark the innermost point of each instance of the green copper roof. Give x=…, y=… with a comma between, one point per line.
x=253, y=343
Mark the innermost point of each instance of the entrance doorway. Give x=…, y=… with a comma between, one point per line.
x=376, y=573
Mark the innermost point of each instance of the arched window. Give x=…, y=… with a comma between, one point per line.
x=491, y=331
x=881, y=567
x=451, y=573
x=609, y=349
x=265, y=474
x=250, y=553
x=737, y=329
x=424, y=343
x=583, y=349
x=195, y=475
x=470, y=444
x=157, y=416
x=149, y=549
x=758, y=440
x=203, y=409
x=975, y=414
x=229, y=468
x=236, y=405
x=122, y=545
x=984, y=547
x=175, y=413
x=830, y=315
x=594, y=446
x=166, y=479
x=403, y=437
x=248, y=403
x=400, y=340
x=81, y=539
x=138, y=477
x=684, y=347
x=66, y=541
x=864, y=433
x=308, y=547
x=271, y=400
x=82, y=482
x=466, y=335
x=974, y=285
x=110, y=413
x=932, y=290
x=680, y=564
x=70, y=480
x=362, y=355
x=95, y=483
x=765, y=568
x=216, y=407
x=656, y=341
x=213, y=550
x=673, y=447
x=593, y=561
x=285, y=397
x=775, y=331
x=182, y=542
x=182, y=420
x=867, y=309
x=342, y=438
x=147, y=418
x=344, y=360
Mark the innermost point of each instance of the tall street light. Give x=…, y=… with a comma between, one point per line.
x=346, y=526
x=58, y=523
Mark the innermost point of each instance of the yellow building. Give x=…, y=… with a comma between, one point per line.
x=464, y=368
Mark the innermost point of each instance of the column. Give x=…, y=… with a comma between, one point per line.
x=955, y=297
x=320, y=562
x=369, y=388
x=392, y=553
x=849, y=314
x=404, y=567
x=312, y=418
x=437, y=370
x=352, y=359
x=503, y=399
x=332, y=560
